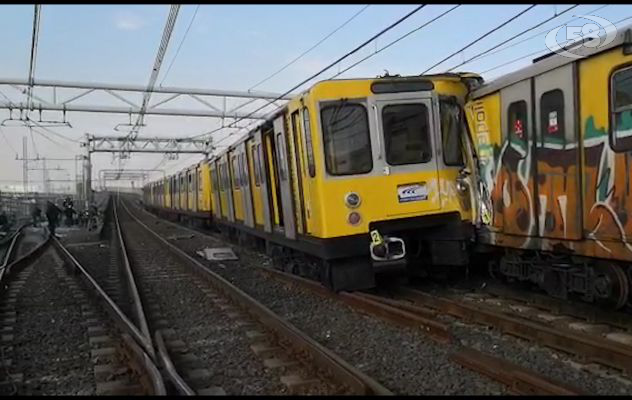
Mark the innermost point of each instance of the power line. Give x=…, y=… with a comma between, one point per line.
x=52, y=132
x=7, y=140
x=480, y=38
x=511, y=38
x=311, y=48
x=383, y=31
x=537, y=34
x=180, y=45
x=396, y=40
x=540, y=51
x=34, y=40
x=162, y=49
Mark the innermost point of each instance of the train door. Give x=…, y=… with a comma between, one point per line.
x=407, y=129
x=557, y=155
x=516, y=180
x=229, y=188
x=296, y=169
x=215, y=187
x=249, y=218
x=272, y=176
x=264, y=179
x=285, y=184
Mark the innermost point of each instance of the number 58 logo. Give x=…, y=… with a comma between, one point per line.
x=589, y=33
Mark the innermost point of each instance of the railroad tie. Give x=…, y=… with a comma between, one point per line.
x=295, y=383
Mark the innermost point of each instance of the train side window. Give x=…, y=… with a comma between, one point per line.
x=621, y=110
x=346, y=138
x=282, y=157
x=517, y=122
x=255, y=163
x=222, y=181
x=242, y=168
x=552, y=123
x=309, y=147
x=235, y=174
x=452, y=127
x=406, y=134
x=213, y=179
x=260, y=162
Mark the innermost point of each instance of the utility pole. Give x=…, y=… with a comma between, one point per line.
x=44, y=176
x=25, y=170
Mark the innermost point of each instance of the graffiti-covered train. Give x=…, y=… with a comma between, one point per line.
x=555, y=155
x=356, y=177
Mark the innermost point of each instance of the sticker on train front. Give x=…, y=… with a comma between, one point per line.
x=412, y=192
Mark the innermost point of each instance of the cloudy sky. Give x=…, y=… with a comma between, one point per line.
x=234, y=47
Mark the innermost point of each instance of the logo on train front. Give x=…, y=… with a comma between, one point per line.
x=577, y=37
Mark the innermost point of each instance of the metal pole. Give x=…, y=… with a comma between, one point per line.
x=87, y=174
x=25, y=171
x=44, y=176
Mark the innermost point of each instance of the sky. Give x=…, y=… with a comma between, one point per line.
x=233, y=47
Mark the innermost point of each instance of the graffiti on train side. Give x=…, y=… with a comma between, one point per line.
x=536, y=193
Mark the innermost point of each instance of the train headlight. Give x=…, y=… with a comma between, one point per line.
x=352, y=200
x=354, y=218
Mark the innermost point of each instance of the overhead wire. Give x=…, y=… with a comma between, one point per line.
x=348, y=54
x=540, y=51
x=33, y=58
x=311, y=48
x=536, y=35
x=396, y=40
x=480, y=38
x=180, y=45
x=475, y=57
x=7, y=141
x=162, y=49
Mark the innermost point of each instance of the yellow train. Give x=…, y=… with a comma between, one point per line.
x=351, y=178
x=554, y=141
x=360, y=176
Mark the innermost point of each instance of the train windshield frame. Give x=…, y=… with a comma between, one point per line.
x=406, y=129
x=346, y=138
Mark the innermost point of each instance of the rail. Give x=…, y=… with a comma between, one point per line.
x=341, y=371
x=139, y=345
x=137, y=306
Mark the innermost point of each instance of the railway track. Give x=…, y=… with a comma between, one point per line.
x=212, y=338
x=61, y=334
x=518, y=379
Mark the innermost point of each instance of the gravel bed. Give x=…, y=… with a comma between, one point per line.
x=51, y=344
x=315, y=315
x=402, y=359
x=206, y=330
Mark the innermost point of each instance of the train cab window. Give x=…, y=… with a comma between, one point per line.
x=621, y=110
x=406, y=134
x=517, y=121
x=452, y=128
x=552, y=129
x=309, y=148
x=346, y=139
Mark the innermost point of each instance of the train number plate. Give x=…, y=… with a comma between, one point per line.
x=414, y=192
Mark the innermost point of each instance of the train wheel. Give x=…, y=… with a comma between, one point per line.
x=611, y=284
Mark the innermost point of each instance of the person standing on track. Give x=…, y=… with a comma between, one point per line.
x=52, y=214
x=36, y=214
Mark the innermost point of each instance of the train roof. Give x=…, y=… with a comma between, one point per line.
x=551, y=61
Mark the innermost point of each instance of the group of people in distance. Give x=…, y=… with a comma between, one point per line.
x=87, y=218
